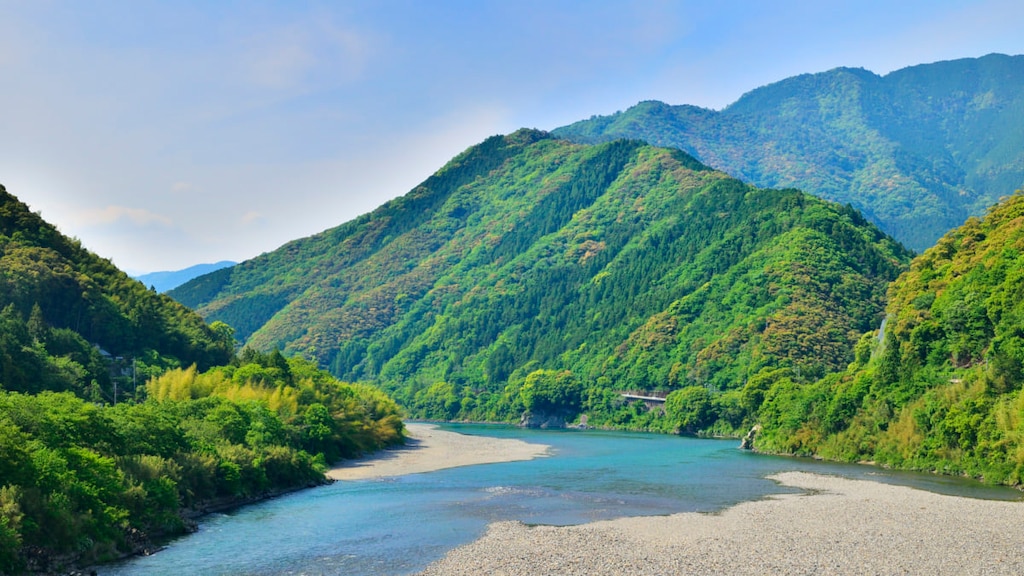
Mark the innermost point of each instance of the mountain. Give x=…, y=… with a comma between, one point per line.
x=168, y=280
x=942, y=391
x=917, y=151
x=531, y=273
x=58, y=300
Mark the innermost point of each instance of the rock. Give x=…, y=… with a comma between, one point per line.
x=541, y=420
x=748, y=440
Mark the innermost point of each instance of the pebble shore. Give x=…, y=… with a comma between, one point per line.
x=836, y=527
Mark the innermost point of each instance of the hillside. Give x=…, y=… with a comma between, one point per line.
x=170, y=279
x=943, y=390
x=60, y=301
x=917, y=151
x=529, y=266
x=90, y=470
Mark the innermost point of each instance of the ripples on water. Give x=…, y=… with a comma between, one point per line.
x=399, y=525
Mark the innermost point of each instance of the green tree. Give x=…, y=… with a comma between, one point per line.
x=552, y=392
x=10, y=530
x=689, y=408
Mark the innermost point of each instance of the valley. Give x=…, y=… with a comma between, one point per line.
x=830, y=267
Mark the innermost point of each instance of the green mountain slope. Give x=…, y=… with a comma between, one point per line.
x=89, y=471
x=612, y=266
x=943, y=391
x=57, y=300
x=917, y=151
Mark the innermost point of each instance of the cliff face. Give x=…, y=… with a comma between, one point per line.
x=542, y=420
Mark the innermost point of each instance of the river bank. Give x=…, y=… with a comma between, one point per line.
x=729, y=517
x=838, y=526
x=429, y=448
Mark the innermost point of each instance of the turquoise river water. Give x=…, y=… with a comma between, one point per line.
x=399, y=525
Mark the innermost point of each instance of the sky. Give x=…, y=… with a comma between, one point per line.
x=167, y=134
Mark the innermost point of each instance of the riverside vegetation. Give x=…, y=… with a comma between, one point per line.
x=83, y=479
x=943, y=390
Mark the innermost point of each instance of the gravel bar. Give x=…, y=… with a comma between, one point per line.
x=838, y=526
x=429, y=448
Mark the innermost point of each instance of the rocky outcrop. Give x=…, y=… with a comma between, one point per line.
x=748, y=440
x=541, y=420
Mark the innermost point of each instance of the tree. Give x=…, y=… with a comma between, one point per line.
x=552, y=391
x=224, y=334
x=689, y=408
x=10, y=529
x=318, y=431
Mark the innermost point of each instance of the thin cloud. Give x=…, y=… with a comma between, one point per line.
x=118, y=214
x=252, y=217
x=281, y=62
x=305, y=54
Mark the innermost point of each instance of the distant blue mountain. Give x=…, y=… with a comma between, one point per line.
x=164, y=281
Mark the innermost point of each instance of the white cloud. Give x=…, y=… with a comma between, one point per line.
x=117, y=214
x=252, y=217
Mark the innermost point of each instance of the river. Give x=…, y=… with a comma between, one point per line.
x=399, y=525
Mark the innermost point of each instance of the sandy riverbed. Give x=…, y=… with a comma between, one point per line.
x=430, y=448
x=839, y=527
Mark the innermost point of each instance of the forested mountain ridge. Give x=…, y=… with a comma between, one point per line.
x=943, y=390
x=530, y=263
x=248, y=295
x=67, y=299
x=918, y=150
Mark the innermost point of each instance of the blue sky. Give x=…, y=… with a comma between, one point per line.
x=166, y=134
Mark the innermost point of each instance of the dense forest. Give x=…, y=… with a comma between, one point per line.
x=917, y=151
x=67, y=313
x=942, y=390
x=122, y=413
x=83, y=482
x=533, y=274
